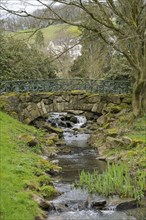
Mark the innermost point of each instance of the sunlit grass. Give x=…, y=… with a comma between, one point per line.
x=50, y=33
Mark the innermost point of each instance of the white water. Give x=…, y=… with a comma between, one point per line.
x=90, y=215
x=55, y=117
x=81, y=121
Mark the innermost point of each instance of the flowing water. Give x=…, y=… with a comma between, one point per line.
x=73, y=203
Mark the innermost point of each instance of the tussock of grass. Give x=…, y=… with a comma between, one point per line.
x=18, y=166
x=115, y=180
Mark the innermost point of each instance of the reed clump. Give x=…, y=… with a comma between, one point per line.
x=115, y=180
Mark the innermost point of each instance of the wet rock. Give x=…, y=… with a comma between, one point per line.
x=71, y=205
x=54, y=171
x=61, y=207
x=68, y=124
x=124, y=204
x=74, y=119
x=101, y=158
x=43, y=204
x=98, y=204
x=48, y=127
x=65, y=150
x=61, y=143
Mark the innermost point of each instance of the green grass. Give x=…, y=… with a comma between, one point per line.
x=22, y=171
x=138, y=129
x=115, y=180
x=50, y=33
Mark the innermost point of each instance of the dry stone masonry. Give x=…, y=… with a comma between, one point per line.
x=29, y=106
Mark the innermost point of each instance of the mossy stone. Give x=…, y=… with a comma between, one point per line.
x=113, y=108
x=112, y=132
x=49, y=142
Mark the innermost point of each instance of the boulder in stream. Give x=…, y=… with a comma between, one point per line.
x=124, y=204
x=98, y=204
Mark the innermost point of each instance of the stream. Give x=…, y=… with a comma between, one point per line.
x=73, y=203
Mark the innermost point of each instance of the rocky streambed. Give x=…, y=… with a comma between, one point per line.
x=76, y=155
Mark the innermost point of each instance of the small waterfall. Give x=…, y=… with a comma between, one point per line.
x=81, y=121
x=112, y=208
x=65, y=120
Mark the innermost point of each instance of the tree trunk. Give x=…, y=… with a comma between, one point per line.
x=139, y=98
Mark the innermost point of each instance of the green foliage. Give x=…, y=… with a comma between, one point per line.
x=94, y=59
x=39, y=39
x=48, y=191
x=20, y=60
x=116, y=179
x=119, y=69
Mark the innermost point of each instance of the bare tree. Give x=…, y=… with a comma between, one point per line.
x=121, y=24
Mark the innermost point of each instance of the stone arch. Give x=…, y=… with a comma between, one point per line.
x=30, y=106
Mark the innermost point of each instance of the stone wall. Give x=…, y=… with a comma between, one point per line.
x=29, y=106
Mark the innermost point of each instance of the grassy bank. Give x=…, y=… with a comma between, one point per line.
x=133, y=154
x=121, y=141
x=22, y=171
x=50, y=33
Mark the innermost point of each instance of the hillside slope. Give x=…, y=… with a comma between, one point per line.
x=50, y=33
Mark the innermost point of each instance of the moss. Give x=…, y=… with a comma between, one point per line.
x=44, y=180
x=78, y=92
x=113, y=108
x=3, y=102
x=112, y=131
x=125, y=106
x=127, y=100
x=27, y=138
x=54, y=129
x=54, y=137
x=43, y=165
x=106, y=125
x=48, y=192
x=50, y=142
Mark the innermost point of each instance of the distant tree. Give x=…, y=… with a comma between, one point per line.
x=119, y=68
x=94, y=59
x=21, y=61
x=39, y=39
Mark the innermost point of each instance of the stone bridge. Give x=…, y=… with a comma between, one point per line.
x=29, y=106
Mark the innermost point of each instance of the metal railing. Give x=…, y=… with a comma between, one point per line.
x=60, y=85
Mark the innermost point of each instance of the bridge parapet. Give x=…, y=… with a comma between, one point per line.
x=60, y=85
